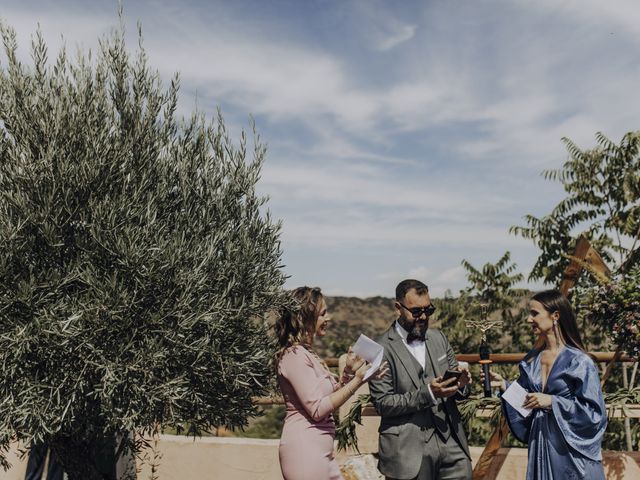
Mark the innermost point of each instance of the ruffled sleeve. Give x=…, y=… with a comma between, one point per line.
x=581, y=415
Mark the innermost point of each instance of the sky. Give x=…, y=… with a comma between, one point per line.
x=403, y=136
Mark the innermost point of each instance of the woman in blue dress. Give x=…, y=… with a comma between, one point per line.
x=564, y=432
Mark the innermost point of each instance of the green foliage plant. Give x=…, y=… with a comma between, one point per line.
x=491, y=309
x=137, y=263
x=494, y=283
x=267, y=425
x=492, y=300
x=346, y=431
x=615, y=307
x=602, y=203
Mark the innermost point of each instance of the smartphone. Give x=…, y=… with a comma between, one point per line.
x=452, y=374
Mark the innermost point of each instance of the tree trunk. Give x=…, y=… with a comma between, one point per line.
x=86, y=460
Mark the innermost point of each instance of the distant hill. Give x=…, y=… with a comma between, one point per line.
x=351, y=316
x=372, y=316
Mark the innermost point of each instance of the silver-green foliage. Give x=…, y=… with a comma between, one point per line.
x=136, y=259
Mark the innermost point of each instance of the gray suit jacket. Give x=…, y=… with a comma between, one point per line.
x=402, y=399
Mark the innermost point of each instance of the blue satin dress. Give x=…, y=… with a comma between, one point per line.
x=565, y=441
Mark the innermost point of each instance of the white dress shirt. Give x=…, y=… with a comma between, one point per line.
x=418, y=349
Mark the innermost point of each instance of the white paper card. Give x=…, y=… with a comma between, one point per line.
x=371, y=351
x=516, y=396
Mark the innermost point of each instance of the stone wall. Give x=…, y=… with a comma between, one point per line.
x=180, y=458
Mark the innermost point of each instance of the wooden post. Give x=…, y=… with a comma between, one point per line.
x=572, y=272
x=488, y=464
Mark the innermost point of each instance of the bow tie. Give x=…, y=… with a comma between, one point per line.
x=414, y=337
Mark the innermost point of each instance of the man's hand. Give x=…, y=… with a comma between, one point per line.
x=465, y=378
x=496, y=380
x=443, y=388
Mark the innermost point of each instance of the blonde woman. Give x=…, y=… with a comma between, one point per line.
x=310, y=391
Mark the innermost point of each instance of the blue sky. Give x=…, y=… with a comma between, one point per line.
x=402, y=136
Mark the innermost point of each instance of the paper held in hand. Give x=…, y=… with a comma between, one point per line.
x=516, y=396
x=371, y=351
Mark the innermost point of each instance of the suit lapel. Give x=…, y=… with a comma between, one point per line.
x=406, y=359
x=429, y=346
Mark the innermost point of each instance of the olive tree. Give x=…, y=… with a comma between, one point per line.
x=137, y=261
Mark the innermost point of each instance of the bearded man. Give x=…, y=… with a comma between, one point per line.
x=421, y=435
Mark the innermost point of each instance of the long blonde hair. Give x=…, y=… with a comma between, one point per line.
x=294, y=326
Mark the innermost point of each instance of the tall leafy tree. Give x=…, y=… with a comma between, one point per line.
x=137, y=262
x=491, y=292
x=492, y=289
x=602, y=203
x=493, y=286
x=494, y=283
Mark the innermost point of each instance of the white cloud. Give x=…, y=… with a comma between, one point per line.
x=621, y=16
x=338, y=232
x=386, y=276
x=448, y=279
x=402, y=34
x=419, y=273
x=272, y=77
x=77, y=30
x=428, y=102
x=452, y=275
x=351, y=116
x=335, y=185
x=379, y=25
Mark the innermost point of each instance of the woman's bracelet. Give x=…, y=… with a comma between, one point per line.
x=351, y=388
x=346, y=378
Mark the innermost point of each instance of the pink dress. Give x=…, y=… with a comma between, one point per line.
x=306, y=445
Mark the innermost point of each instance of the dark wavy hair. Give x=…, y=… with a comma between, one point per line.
x=295, y=324
x=555, y=301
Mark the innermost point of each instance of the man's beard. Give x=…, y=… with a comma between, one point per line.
x=417, y=329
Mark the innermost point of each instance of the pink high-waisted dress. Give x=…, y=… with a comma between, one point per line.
x=306, y=445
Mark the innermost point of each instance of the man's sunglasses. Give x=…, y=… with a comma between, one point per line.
x=417, y=312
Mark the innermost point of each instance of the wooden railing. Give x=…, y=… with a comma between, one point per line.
x=471, y=358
